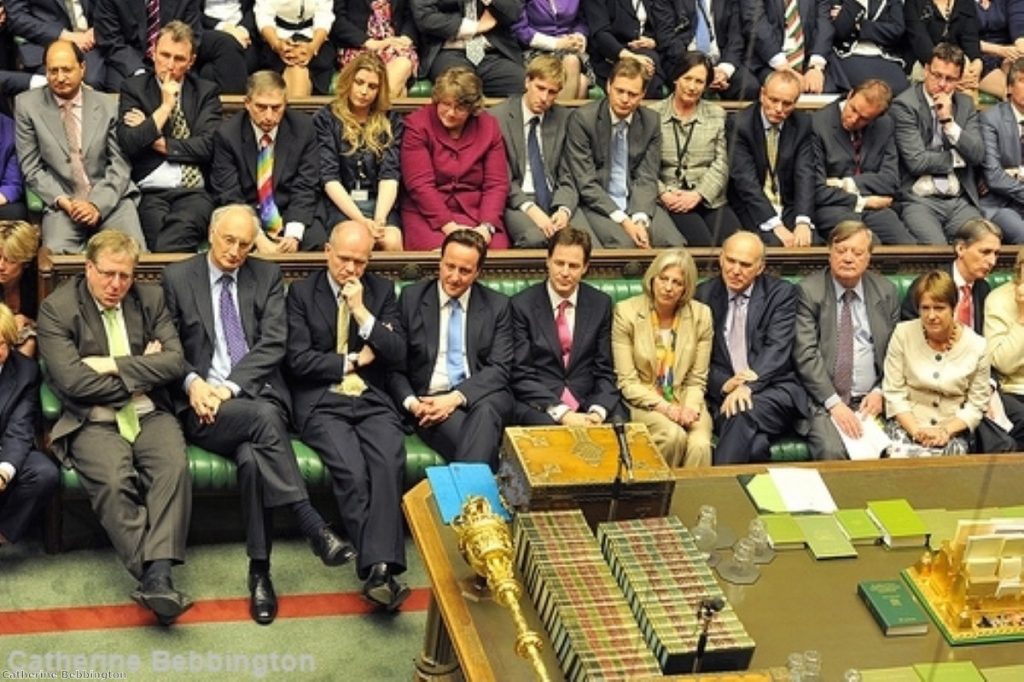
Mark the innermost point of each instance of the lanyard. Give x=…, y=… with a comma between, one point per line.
x=682, y=147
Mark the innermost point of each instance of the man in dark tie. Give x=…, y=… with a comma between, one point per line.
x=753, y=390
x=111, y=354
x=230, y=312
x=793, y=36
x=454, y=385
x=563, y=372
x=344, y=338
x=844, y=318
x=1002, y=128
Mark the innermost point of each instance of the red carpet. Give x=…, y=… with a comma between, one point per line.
x=74, y=618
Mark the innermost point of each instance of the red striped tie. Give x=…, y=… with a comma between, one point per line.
x=152, y=26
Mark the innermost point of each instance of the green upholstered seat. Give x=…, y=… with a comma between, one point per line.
x=421, y=88
x=32, y=200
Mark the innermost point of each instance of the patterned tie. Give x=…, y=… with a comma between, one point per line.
x=351, y=384
x=191, y=175
x=541, y=192
x=234, y=335
x=702, y=37
x=857, y=141
x=152, y=26
x=454, y=363
x=843, y=375
x=771, y=185
x=965, y=308
x=565, y=344
x=74, y=135
x=737, y=339
x=475, y=46
x=941, y=181
x=127, y=417
x=617, y=189
x=794, y=40
x=269, y=215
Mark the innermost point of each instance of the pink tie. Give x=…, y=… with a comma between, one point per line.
x=964, y=311
x=565, y=342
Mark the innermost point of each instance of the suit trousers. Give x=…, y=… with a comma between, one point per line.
x=681, y=447
x=175, y=220
x=884, y=223
x=742, y=86
x=15, y=210
x=1010, y=221
x=859, y=68
x=705, y=226
x=1013, y=403
x=823, y=439
x=26, y=495
x=361, y=442
x=472, y=433
x=500, y=75
x=934, y=220
x=254, y=433
x=610, y=235
x=223, y=60
x=63, y=235
x=142, y=492
x=746, y=437
x=524, y=233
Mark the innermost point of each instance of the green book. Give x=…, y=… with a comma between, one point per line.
x=950, y=671
x=783, y=531
x=858, y=526
x=825, y=537
x=1004, y=673
x=763, y=493
x=941, y=525
x=894, y=607
x=906, y=674
x=900, y=524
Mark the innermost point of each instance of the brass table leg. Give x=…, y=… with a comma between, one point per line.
x=437, y=662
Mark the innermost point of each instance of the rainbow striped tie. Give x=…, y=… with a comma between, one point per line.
x=269, y=215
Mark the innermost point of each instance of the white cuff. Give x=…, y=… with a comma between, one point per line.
x=294, y=229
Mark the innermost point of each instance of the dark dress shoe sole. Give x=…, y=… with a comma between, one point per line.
x=387, y=595
x=344, y=555
x=166, y=605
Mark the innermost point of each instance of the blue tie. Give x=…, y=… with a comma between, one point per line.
x=456, y=368
x=703, y=35
x=541, y=193
x=617, y=178
x=234, y=335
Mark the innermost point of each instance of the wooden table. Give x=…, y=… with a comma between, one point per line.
x=797, y=604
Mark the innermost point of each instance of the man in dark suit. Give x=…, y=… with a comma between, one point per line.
x=339, y=368
x=613, y=153
x=455, y=381
x=802, y=50
x=111, y=352
x=856, y=167
x=844, y=318
x=976, y=245
x=753, y=391
x=27, y=476
x=290, y=193
x=562, y=329
x=620, y=29
x=539, y=203
x=771, y=165
x=40, y=22
x=475, y=35
x=1003, y=204
x=228, y=52
x=66, y=137
x=230, y=312
x=939, y=141
x=167, y=121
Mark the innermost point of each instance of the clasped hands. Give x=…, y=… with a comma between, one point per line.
x=435, y=409
x=800, y=235
x=206, y=399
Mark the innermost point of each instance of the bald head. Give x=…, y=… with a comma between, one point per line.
x=348, y=251
x=742, y=260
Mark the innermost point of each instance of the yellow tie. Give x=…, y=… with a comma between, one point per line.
x=352, y=384
x=127, y=417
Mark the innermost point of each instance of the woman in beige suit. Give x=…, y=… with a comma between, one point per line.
x=661, y=345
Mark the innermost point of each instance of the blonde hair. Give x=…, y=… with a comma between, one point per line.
x=376, y=134
x=673, y=258
x=8, y=326
x=111, y=241
x=19, y=241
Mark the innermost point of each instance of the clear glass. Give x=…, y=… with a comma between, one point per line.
x=705, y=533
x=812, y=666
x=758, y=534
x=740, y=569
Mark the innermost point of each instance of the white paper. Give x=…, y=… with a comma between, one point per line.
x=802, y=490
x=872, y=442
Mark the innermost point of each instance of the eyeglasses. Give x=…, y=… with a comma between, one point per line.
x=108, y=275
x=943, y=78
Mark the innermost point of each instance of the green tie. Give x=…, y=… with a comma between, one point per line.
x=127, y=418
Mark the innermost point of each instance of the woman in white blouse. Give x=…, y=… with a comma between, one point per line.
x=295, y=42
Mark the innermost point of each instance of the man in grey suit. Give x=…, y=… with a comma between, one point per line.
x=67, y=146
x=111, y=351
x=613, y=152
x=856, y=167
x=844, y=318
x=939, y=142
x=1001, y=128
x=541, y=199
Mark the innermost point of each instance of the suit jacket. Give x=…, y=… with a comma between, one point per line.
x=45, y=156
x=552, y=141
x=121, y=29
x=705, y=165
x=764, y=27
x=296, y=166
x=914, y=128
x=539, y=375
x=551, y=17
x=636, y=362
x=351, y=16
x=199, y=103
x=881, y=23
x=1001, y=134
x=70, y=328
x=314, y=364
x=771, y=327
x=748, y=166
x=675, y=26
x=39, y=23
x=12, y=185
x=926, y=28
x=1005, y=343
x=19, y=408
x=980, y=289
x=261, y=308
x=438, y=21
x=488, y=321
x=613, y=23
x=833, y=158
x=588, y=150
x=814, y=349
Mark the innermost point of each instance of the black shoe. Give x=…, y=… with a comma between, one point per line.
x=159, y=596
x=331, y=549
x=263, y=601
x=384, y=590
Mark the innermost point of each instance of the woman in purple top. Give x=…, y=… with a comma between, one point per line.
x=557, y=26
x=12, y=187
x=998, y=45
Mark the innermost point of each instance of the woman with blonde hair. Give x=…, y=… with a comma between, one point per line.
x=19, y=242
x=360, y=138
x=661, y=345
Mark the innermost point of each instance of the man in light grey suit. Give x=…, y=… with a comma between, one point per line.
x=939, y=140
x=844, y=318
x=1002, y=127
x=539, y=203
x=616, y=170
x=66, y=138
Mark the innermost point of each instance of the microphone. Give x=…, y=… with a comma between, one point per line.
x=624, y=455
x=706, y=610
x=710, y=606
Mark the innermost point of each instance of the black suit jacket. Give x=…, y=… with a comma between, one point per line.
x=199, y=102
x=748, y=166
x=261, y=307
x=313, y=361
x=121, y=29
x=351, y=16
x=438, y=21
x=675, y=24
x=19, y=408
x=40, y=22
x=980, y=289
x=764, y=27
x=489, y=355
x=613, y=23
x=539, y=375
x=248, y=20
x=296, y=166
